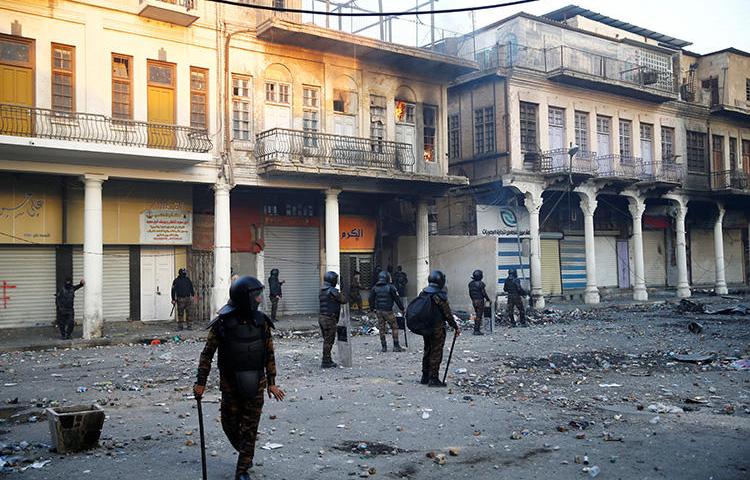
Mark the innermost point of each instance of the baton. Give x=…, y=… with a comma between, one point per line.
x=203, y=440
x=171, y=312
x=450, y=355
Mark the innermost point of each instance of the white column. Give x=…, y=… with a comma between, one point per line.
x=587, y=195
x=222, y=246
x=332, y=231
x=637, y=205
x=721, y=281
x=93, y=256
x=533, y=202
x=680, y=212
x=423, y=245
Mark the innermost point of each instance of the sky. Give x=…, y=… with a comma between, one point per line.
x=709, y=24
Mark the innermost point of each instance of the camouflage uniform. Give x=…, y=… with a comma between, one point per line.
x=274, y=305
x=328, y=328
x=239, y=416
x=390, y=319
x=435, y=342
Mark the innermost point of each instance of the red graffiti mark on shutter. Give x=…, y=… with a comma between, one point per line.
x=5, y=296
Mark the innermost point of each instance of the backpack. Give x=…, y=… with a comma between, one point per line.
x=420, y=314
x=65, y=299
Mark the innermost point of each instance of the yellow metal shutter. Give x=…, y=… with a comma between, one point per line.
x=654, y=258
x=27, y=286
x=551, y=282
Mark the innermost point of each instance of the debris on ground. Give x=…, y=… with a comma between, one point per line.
x=695, y=327
x=690, y=306
x=739, y=309
x=693, y=357
x=662, y=408
x=742, y=364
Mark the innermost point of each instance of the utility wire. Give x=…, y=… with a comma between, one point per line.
x=373, y=14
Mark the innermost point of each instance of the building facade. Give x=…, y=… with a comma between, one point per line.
x=602, y=156
x=140, y=137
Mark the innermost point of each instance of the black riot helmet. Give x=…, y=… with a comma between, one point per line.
x=274, y=272
x=331, y=279
x=477, y=275
x=384, y=278
x=436, y=279
x=512, y=273
x=182, y=272
x=243, y=291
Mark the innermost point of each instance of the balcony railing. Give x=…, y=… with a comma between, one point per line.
x=178, y=12
x=729, y=180
x=598, y=67
x=186, y=4
x=663, y=172
x=619, y=166
x=325, y=149
x=23, y=121
x=558, y=161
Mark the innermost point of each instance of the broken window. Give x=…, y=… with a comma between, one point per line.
x=344, y=101
x=277, y=92
x=453, y=137
x=405, y=112
x=241, y=107
x=429, y=132
x=667, y=144
x=377, y=122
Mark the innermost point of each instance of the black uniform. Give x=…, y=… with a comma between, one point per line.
x=400, y=280
x=331, y=300
x=478, y=295
x=382, y=298
x=515, y=293
x=274, y=291
x=64, y=301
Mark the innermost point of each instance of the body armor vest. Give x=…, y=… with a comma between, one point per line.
x=329, y=304
x=476, y=290
x=384, y=294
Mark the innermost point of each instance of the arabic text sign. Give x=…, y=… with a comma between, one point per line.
x=166, y=227
x=357, y=233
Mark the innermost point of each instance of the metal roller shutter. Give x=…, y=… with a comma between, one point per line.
x=606, y=261
x=116, y=283
x=27, y=286
x=295, y=251
x=551, y=284
x=573, y=262
x=734, y=260
x=654, y=258
x=703, y=257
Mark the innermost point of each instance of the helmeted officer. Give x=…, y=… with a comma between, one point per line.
x=382, y=297
x=478, y=295
x=435, y=340
x=274, y=291
x=400, y=279
x=247, y=366
x=331, y=300
x=515, y=293
x=65, y=303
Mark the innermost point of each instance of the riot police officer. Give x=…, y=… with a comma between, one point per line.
x=382, y=297
x=247, y=367
x=331, y=300
x=434, y=341
x=478, y=295
x=515, y=293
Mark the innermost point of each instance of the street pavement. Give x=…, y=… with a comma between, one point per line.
x=581, y=388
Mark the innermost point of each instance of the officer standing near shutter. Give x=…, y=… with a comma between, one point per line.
x=247, y=366
x=65, y=301
x=331, y=300
x=435, y=341
x=274, y=291
x=478, y=295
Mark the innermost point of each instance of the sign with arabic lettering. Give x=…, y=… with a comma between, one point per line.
x=166, y=227
x=357, y=234
x=502, y=220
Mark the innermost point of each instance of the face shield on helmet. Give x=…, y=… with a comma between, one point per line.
x=245, y=293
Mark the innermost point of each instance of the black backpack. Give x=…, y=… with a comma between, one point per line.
x=420, y=314
x=65, y=299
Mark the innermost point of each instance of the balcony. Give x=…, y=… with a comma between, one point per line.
x=619, y=168
x=557, y=162
x=295, y=151
x=730, y=181
x=177, y=12
x=589, y=70
x=88, y=138
x=664, y=174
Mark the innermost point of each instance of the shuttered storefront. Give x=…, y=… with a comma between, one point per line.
x=703, y=257
x=573, y=262
x=551, y=284
x=115, y=283
x=606, y=261
x=295, y=251
x=27, y=286
x=654, y=258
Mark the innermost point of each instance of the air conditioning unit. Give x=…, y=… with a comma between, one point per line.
x=650, y=77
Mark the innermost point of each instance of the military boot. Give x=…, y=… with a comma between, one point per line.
x=436, y=382
x=425, y=378
x=383, y=346
x=478, y=332
x=244, y=476
x=328, y=363
x=396, y=346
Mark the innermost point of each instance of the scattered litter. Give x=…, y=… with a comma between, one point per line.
x=81, y=389
x=661, y=408
x=425, y=415
x=654, y=420
x=742, y=364
x=693, y=357
x=271, y=446
x=696, y=400
x=736, y=310
x=690, y=306
x=695, y=327
x=594, y=471
x=460, y=371
x=609, y=385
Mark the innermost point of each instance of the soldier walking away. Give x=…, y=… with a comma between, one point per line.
x=64, y=301
x=247, y=367
x=382, y=297
x=331, y=300
x=274, y=291
x=435, y=341
x=355, y=291
x=182, y=296
x=400, y=280
x=478, y=295
x=515, y=293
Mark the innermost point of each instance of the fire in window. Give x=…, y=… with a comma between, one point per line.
x=430, y=113
x=404, y=112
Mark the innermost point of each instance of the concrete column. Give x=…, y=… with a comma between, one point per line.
x=222, y=246
x=721, y=281
x=587, y=195
x=423, y=245
x=637, y=206
x=533, y=202
x=93, y=256
x=332, y=231
x=680, y=212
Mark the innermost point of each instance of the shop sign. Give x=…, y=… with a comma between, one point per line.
x=166, y=227
x=357, y=234
x=502, y=220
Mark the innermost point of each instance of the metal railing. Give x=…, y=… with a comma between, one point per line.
x=663, y=171
x=562, y=58
x=34, y=122
x=297, y=146
x=558, y=161
x=729, y=180
x=618, y=166
x=187, y=4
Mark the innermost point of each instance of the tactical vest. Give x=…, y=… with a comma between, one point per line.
x=512, y=286
x=329, y=304
x=384, y=297
x=243, y=345
x=476, y=290
x=66, y=299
